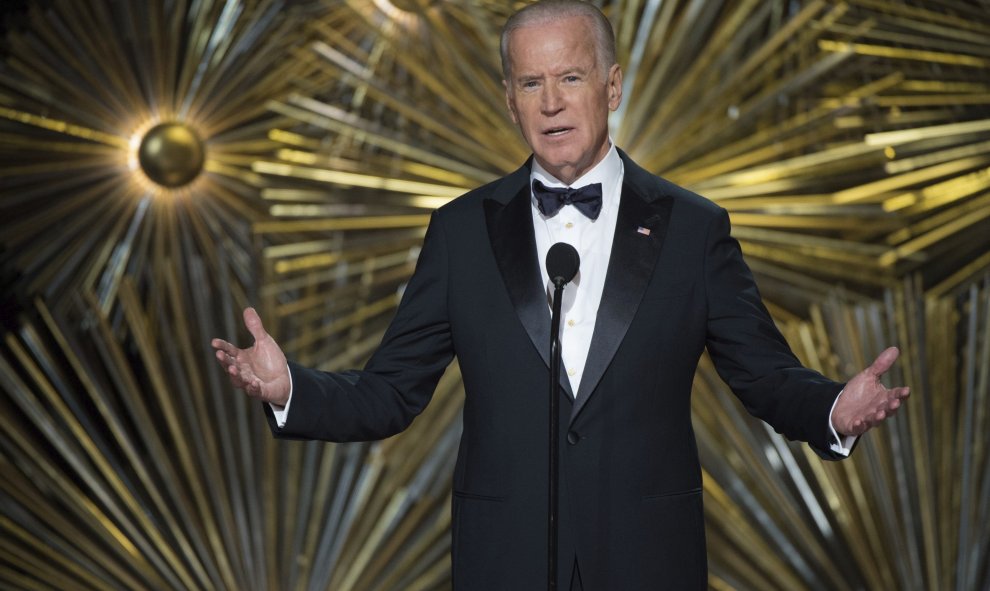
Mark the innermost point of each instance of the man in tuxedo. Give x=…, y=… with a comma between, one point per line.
x=660, y=280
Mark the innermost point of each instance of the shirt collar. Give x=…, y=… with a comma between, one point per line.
x=607, y=172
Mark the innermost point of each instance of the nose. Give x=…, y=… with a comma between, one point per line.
x=551, y=101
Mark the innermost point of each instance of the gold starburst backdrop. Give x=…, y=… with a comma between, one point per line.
x=849, y=140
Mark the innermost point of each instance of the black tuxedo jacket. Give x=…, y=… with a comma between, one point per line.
x=630, y=492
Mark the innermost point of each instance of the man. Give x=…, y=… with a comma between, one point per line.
x=660, y=280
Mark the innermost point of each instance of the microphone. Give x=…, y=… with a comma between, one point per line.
x=562, y=263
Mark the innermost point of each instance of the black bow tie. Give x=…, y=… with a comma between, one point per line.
x=588, y=199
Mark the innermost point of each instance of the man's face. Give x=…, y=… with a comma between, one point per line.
x=559, y=95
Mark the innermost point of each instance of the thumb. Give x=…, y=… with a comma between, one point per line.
x=253, y=323
x=883, y=361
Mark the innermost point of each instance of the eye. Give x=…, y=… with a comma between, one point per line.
x=572, y=78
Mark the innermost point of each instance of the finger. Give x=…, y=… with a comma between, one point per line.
x=222, y=345
x=883, y=361
x=253, y=388
x=227, y=362
x=253, y=323
x=235, y=377
x=901, y=393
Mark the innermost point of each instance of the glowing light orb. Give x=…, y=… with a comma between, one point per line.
x=171, y=154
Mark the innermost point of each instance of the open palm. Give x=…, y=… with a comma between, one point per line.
x=261, y=370
x=865, y=402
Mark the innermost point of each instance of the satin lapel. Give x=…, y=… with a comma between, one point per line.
x=639, y=234
x=510, y=229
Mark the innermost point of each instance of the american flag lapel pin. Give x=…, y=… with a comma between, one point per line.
x=643, y=231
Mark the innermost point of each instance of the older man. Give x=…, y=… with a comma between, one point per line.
x=660, y=280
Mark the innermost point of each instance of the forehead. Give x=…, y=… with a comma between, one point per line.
x=566, y=42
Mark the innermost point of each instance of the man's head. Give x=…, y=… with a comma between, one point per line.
x=561, y=81
x=550, y=10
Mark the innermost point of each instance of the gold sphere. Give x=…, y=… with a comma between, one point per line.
x=171, y=154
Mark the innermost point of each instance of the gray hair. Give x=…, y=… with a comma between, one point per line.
x=545, y=11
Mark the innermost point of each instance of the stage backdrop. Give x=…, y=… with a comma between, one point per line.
x=165, y=163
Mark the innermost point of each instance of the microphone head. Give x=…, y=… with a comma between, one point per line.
x=562, y=263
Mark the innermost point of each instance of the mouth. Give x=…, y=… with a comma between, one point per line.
x=556, y=131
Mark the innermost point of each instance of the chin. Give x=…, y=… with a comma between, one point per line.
x=557, y=160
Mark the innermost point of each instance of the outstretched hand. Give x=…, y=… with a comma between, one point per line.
x=261, y=371
x=865, y=402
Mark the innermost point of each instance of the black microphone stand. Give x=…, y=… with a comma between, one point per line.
x=558, y=292
x=563, y=262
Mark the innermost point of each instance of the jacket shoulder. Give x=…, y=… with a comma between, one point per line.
x=470, y=200
x=654, y=187
x=502, y=189
x=689, y=200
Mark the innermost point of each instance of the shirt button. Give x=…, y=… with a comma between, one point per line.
x=571, y=372
x=569, y=225
x=571, y=322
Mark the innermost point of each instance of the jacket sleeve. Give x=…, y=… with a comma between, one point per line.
x=751, y=355
x=398, y=381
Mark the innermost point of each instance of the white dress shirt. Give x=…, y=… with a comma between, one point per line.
x=593, y=242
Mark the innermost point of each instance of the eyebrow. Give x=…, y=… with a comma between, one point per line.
x=564, y=72
x=572, y=70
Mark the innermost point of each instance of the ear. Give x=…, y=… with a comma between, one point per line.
x=614, y=83
x=510, y=102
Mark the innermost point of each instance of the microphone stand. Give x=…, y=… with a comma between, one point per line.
x=558, y=292
x=563, y=263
